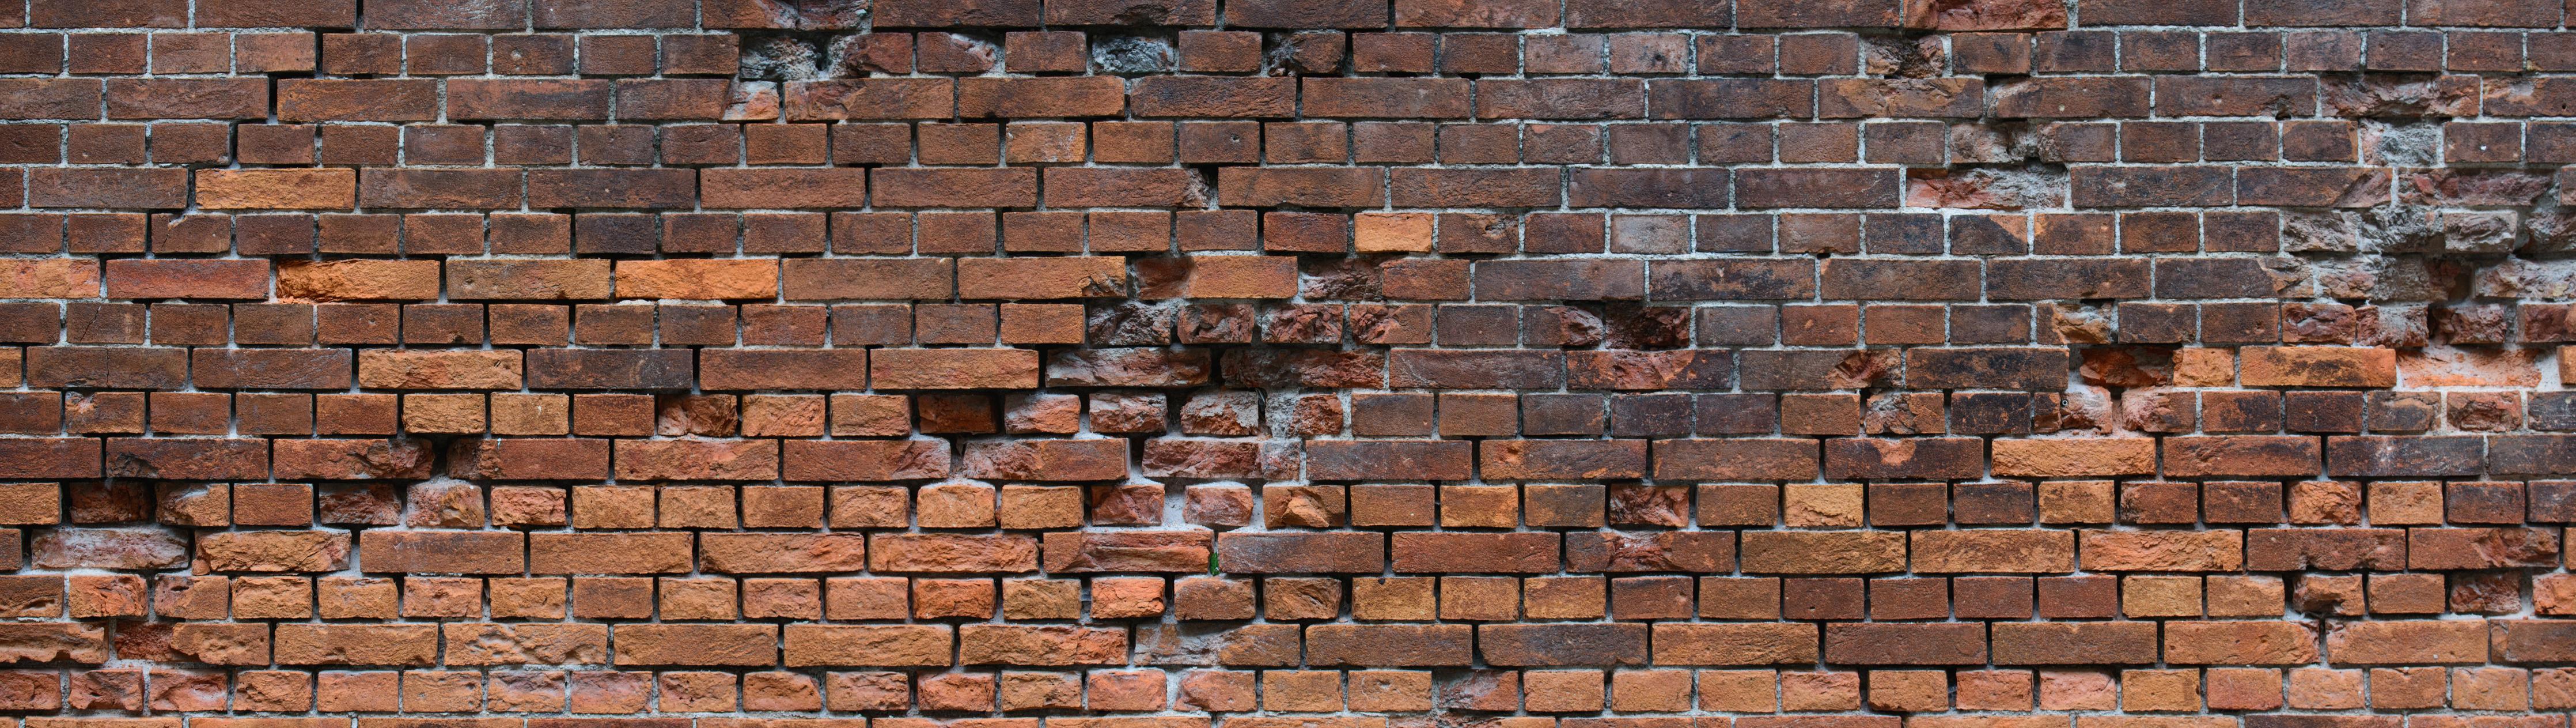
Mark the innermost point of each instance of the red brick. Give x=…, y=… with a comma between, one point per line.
x=876, y=645
x=695, y=644
x=952, y=553
x=608, y=553
x=1006, y=304
x=2074, y=643
x=276, y=189
x=2407, y=642
x=772, y=188
x=1722, y=644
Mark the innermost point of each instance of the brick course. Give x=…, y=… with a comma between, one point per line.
x=1287, y=363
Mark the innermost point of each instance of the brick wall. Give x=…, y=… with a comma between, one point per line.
x=1287, y=363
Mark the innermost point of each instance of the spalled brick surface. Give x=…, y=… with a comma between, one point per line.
x=1287, y=363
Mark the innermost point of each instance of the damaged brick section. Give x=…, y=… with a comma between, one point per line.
x=1287, y=363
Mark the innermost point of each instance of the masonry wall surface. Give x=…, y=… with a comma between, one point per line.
x=1287, y=363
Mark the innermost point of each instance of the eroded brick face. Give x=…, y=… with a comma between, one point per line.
x=1287, y=363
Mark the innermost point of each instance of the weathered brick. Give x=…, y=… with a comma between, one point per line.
x=1150, y=551
x=1327, y=14
x=1490, y=187
x=1290, y=552
x=2074, y=643
x=1123, y=187
x=1389, y=459
x=531, y=459
x=1722, y=644
x=356, y=644
x=40, y=278
x=695, y=644
x=276, y=189
x=429, y=369
x=188, y=459
x=608, y=553
x=864, y=460
x=1303, y=186
x=2520, y=640
x=630, y=188
x=354, y=459
x=307, y=100
x=2383, y=456
x=1160, y=96
x=2215, y=550
x=2294, y=549
x=608, y=369
x=1041, y=278
x=2316, y=366
x=1320, y=364
x=434, y=552
x=1536, y=645
x=764, y=553
x=2407, y=642
x=696, y=460
x=771, y=188
x=187, y=98
x=107, y=187
x=1817, y=188
x=1736, y=459
x=524, y=644
x=872, y=98
x=1390, y=645
x=2072, y=97
x=439, y=188
x=1981, y=550
x=1561, y=98
x=528, y=99
x=1484, y=369
x=1823, y=552
x=783, y=369
x=954, y=368
x=216, y=279
x=1451, y=552
x=1047, y=645
x=697, y=279
x=515, y=279
x=1952, y=458
x=952, y=553
x=955, y=187
x=2240, y=455
x=2240, y=643
x=1561, y=459
x=860, y=279
x=870, y=645
x=1905, y=644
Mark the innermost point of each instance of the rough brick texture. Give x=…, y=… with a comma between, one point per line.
x=1287, y=363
